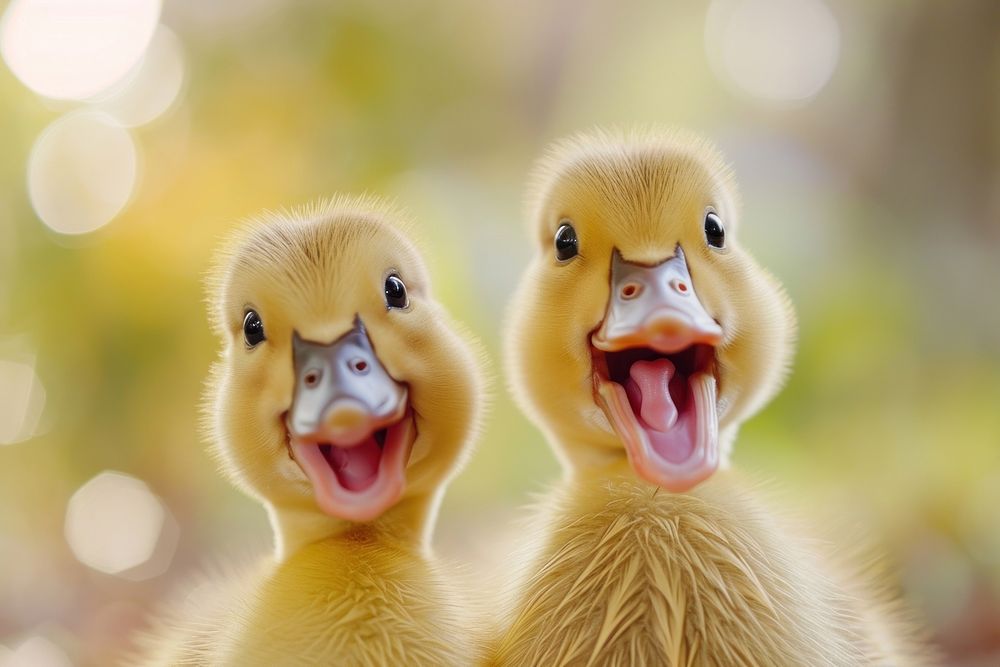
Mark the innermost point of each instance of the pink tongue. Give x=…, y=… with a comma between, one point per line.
x=356, y=466
x=648, y=389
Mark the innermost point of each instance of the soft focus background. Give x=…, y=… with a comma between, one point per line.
x=865, y=136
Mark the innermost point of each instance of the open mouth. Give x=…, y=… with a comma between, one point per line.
x=664, y=408
x=358, y=481
x=350, y=426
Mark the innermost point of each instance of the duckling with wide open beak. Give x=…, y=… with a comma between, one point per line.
x=350, y=427
x=654, y=372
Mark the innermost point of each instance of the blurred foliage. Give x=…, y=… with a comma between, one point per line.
x=858, y=200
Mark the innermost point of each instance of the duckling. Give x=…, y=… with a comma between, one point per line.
x=639, y=339
x=344, y=401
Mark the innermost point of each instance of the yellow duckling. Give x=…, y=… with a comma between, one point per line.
x=641, y=336
x=344, y=400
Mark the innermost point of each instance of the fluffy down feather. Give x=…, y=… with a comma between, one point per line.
x=334, y=591
x=628, y=575
x=625, y=573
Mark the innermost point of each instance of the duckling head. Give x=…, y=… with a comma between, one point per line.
x=343, y=393
x=642, y=329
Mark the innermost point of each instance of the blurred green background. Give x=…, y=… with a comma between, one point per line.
x=865, y=137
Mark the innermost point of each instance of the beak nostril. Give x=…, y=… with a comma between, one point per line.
x=630, y=290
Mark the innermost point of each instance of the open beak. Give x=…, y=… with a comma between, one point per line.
x=655, y=372
x=350, y=427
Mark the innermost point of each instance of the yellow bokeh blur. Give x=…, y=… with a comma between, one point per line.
x=865, y=138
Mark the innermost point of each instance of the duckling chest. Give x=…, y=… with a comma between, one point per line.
x=351, y=604
x=630, y=578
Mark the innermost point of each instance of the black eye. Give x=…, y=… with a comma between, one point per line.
x=567, y=245
x=253, y=329
x=715, y=233
x=395, y=292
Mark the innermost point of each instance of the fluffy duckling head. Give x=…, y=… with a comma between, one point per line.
x=642, y=328
x=343, y=390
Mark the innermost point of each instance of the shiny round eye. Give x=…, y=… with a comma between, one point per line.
x=253, y=329
x=715, y=233
x=567, y=245
x=395, y=292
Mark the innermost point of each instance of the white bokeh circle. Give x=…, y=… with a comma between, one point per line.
x=81, y=172
x=113, y=523
x=775, y=50
x=74, y=49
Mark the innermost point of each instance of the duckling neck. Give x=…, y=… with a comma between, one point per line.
x=410, y=522
x=599, y=467
x=588, y=456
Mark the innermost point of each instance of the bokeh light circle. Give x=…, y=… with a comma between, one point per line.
x=776, y=50
x=22, y=399
x=35, y=652
x=113, y=523
x=74, y=49
x=81, y=172
x=154, y=87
